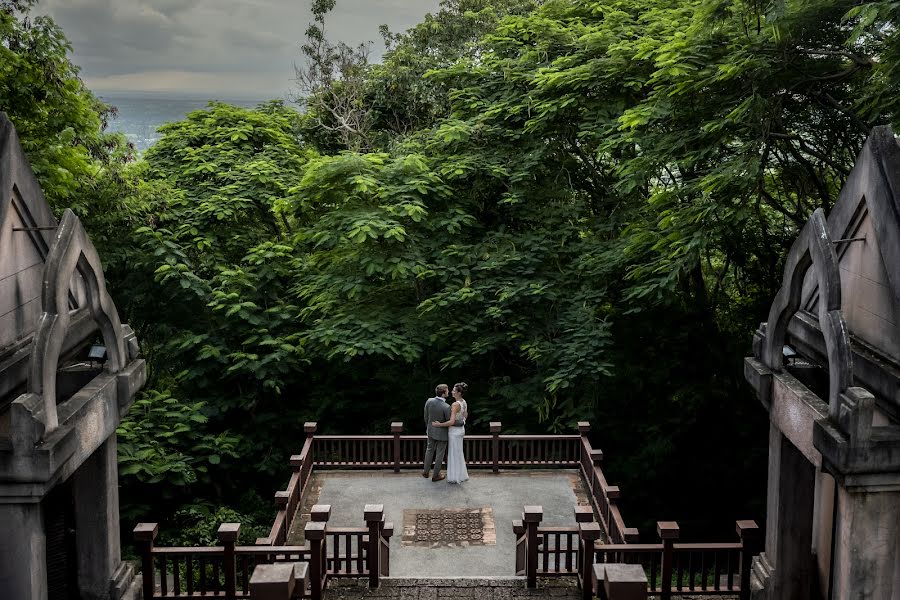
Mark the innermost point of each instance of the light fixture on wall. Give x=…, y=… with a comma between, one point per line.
x=97, y=353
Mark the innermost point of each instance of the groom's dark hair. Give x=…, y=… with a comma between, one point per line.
x=441, y=389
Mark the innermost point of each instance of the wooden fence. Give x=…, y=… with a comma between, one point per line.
x=560, y=554
x=398, y=451
x=708, y=569
x=545, y=551
x=225, y=571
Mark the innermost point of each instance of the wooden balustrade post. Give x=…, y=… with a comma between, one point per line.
x=588, y=533
x=310, y=428
x=374, y=515
x=632, y=535
x=521, y=549
x=584, y=514
x=315, y=535
x=495, y=445
x=296, y=462
x=144, y=536
x=750, y=547
x=281, y=504
x=613, y=493
x=532, y=516
x=668, y=532
x=228, y=536
x=396, y=429
x=596, y=457
x=387, y=533
x=584, y=427
x=320, y=513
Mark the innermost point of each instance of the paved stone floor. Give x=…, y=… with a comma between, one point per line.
x=558, y=491
x=466, y=588
x=499, y=588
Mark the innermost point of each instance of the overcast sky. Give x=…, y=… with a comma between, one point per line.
x=225, y=48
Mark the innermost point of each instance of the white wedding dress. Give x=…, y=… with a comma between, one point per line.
x=456, y=460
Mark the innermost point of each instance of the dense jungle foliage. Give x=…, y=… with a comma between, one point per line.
x=579, y=207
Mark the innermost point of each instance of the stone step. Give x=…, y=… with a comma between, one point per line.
x=458, y=588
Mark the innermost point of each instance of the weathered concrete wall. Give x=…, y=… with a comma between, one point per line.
x=96, y=491
x=823, y=526
x=868, y=305
x=51, y=439
x=794, y=410
x=23, y=567
x=834, y=466
x=22, y=253
x=21, y=269
x=868, y=528
x=789, y=528
x=88, y=419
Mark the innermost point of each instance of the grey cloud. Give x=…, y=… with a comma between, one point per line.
x=135, y=41
x=170, y=8
x=257, y=41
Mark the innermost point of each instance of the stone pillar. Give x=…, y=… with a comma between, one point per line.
x=95, y=487
x=789, y=522
x=23, y=562
x=823, y=527
x=868, y=530
x=772, y=483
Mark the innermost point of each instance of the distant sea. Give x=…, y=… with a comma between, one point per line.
x=140, y=115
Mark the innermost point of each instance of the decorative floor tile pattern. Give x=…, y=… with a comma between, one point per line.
x=449, y=527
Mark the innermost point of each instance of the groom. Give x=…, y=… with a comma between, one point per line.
x=436, y=409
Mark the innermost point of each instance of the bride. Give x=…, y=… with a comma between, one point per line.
x=459, y=412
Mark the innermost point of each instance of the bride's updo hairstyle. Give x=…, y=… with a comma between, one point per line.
x=462, y=388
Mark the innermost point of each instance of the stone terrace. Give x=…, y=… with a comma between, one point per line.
x=499, y=497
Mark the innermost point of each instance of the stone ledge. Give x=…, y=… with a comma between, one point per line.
x=402, y=582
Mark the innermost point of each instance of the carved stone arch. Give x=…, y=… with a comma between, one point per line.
x=71, y=250
x=813, y=249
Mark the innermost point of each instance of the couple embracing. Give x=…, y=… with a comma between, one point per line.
x=446, y=425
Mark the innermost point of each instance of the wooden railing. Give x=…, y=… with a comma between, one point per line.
x=605, y=497
x=557, y=551
x=707, y=568
x=720, y=569
x=495, y=451
x=226, y=571
x=547, y=551
x=399, y=451
x=287, y=501
x=697, y=568
x=222, y=571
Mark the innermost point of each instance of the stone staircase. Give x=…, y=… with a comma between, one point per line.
x=458, y=588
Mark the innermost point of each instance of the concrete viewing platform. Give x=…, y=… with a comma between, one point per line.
x=422, y=511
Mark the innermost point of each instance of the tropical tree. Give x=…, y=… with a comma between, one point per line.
x=60, y=123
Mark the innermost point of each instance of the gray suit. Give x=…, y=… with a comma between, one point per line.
x=436, y=409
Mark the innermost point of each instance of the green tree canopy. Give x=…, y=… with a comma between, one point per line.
x=59, y=121
x=580, y=207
